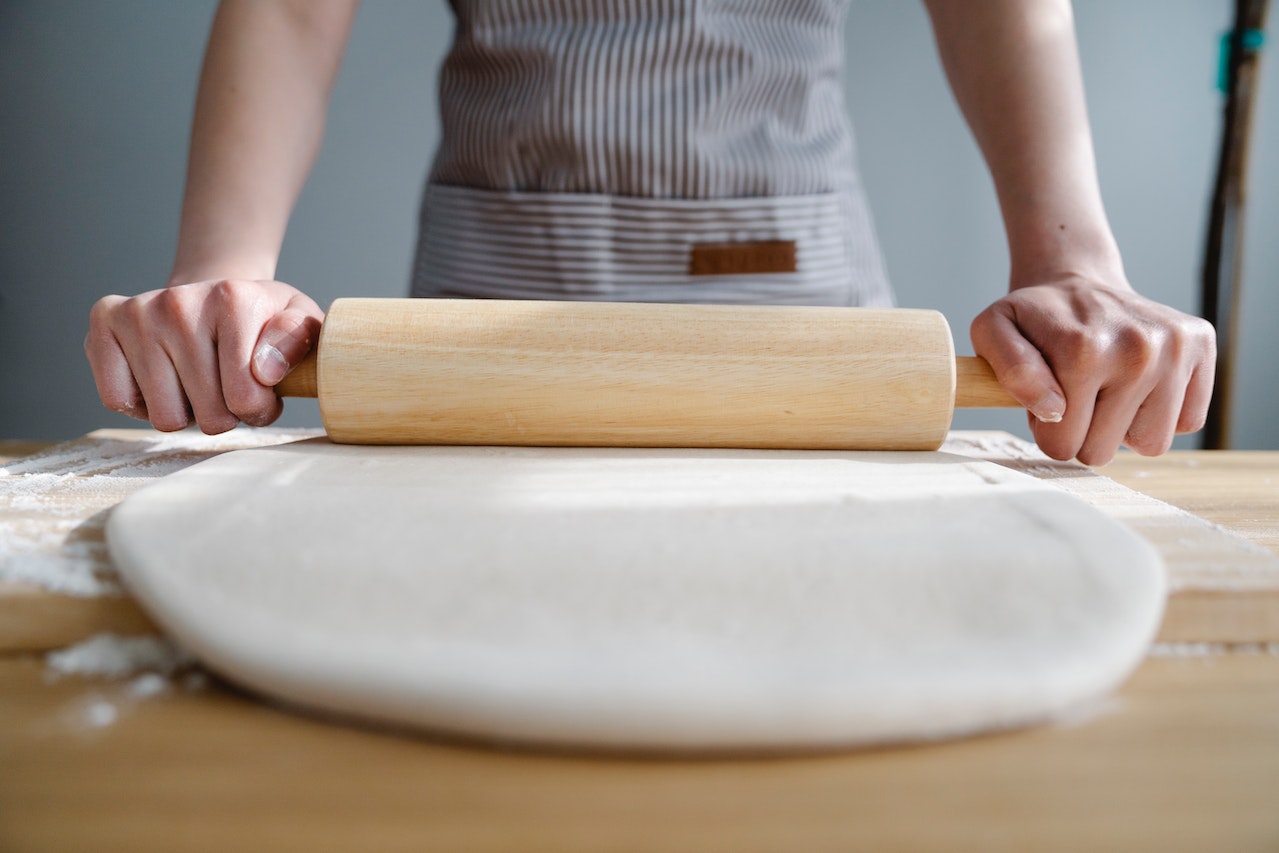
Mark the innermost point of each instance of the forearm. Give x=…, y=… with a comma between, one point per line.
x=1014, y=68
x=259, y=122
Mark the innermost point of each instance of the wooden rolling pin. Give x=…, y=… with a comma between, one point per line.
x=444, y=371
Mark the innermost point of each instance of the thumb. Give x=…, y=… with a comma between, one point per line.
x=285, y=340
x=1018, y=364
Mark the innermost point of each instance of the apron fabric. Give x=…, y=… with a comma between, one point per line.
x=591, y=149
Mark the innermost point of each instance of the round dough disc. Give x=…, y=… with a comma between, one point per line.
x=650, y=599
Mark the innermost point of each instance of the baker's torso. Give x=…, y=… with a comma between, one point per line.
x=654, y=150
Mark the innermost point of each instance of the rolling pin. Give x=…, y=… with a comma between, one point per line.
x=589, y=374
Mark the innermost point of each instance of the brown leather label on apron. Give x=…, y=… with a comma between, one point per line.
x=766, y=256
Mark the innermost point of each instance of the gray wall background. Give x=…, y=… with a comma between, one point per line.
x=96, y=99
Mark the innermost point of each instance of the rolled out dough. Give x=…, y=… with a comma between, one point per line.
x=643, y=599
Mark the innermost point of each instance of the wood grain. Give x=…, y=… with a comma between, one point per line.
x=440, y=371
x=1185, y=757
x=1182, y=760
x=977, y=388
x=1238, y=490
x=11, y=449
x=53, y=507
x=1224, y=588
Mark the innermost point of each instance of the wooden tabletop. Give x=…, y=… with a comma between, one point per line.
x=1184, y=757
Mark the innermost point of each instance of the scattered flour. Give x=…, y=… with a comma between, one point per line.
x=56, y=563
x=149, y=684
x=96, y=713
x=114, y=657
x=54, y=505
x=53, y=510
x=134, y=669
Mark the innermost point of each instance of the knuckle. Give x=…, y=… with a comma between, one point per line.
x=988, y=326
x=262, y=418
x=1057, y=454
x=120, y=401
x=163, y=310
x=1192, y=421
x=1148, y=441
x=254, y=406
x=170, y=421
x=178, y=310
x=1095, y=456
x=226, y=289
x=216, y=424
x=114, y=316
x=1138, y=345
x=245, y=405
x=233, y=294
x=1200, y=328
x=1079, y=348
x=1081, y=341
x=173, y=301
x=131, y=311
x=980, y=326
x=101, y=312
x=1179, y=347
x=1053, y=442
x=1021, y=376
x=1205, y=338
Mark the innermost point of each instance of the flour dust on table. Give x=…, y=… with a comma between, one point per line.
x=671, y=600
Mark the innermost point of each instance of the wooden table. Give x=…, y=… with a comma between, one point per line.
x=1184, y=757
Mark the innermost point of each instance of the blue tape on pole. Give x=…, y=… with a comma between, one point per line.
x=1252, y=40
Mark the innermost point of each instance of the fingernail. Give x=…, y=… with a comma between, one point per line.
x=269, y=364
x=1050, y=409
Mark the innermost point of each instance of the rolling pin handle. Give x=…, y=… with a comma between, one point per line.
x=301, y=381
x=977, y=388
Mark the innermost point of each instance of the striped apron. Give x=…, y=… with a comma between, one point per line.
x=647, y=151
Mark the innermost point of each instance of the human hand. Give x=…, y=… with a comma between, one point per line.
x=1098, y=365
x=209, y=351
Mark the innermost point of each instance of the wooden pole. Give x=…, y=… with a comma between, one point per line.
x=1223, y=254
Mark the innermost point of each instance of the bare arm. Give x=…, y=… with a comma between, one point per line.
x=1097, y=363
x=259, y=122
x=210, y=344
